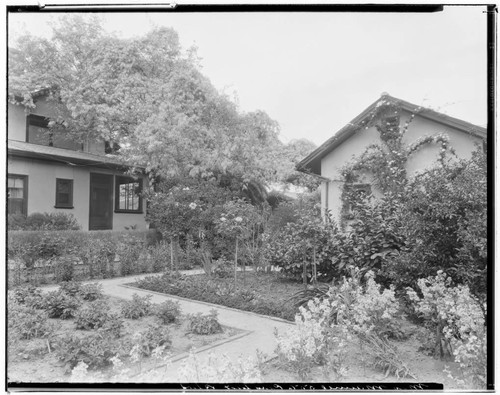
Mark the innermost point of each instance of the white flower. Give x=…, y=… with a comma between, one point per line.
x=192, y=206
x=222, y=219
x=238, y=219
x=185, y=189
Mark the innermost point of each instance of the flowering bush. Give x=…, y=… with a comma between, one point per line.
x=315, y=340
x=459, y=321
x=218, y=369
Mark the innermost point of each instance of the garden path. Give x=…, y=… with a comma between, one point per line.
x=260, y=329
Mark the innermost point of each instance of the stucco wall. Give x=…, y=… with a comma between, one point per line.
x=17, y=127
x=42, y=189
x=425, y=157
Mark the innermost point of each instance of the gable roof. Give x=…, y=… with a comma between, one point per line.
x=66, y=156
x=312, y=162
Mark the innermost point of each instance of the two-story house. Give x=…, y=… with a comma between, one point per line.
x=48, y=172
x=328, y=160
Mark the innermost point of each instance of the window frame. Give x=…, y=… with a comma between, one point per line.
x=117, y=194
x=69, y=205
x=38, y=121
x=25, y=192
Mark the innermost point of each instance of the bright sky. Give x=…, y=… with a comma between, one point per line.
x=314, y=72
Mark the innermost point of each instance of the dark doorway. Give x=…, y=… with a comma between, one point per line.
x=101, y=201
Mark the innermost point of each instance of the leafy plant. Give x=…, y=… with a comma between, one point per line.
x=91, y=292
x=71, y=288
x=25, y=322
x=385, y=356
x=168, y=311
x=204, y=324
x=28, y=295
x=92, y=316
x=57, y=304
x=95, y=349
x=154, y=336
x=43, y=221
x=136, y=308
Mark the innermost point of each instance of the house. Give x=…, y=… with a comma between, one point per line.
x=50, y=173
x=328, y=160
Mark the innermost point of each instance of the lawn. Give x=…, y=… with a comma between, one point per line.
x=258, y=292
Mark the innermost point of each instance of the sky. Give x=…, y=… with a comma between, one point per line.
x=314, y=72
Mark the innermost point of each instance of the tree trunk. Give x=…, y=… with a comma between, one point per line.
x=171, y=253
x=304, y=273
x=235, y=261
x=314, y=272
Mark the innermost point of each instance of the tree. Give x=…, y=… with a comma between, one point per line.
x=147, y=95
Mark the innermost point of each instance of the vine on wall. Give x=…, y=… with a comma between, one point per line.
x=386, y=162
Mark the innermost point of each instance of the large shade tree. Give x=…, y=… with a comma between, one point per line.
x=147, y=95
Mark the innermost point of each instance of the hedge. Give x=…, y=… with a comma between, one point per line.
x=52, y=256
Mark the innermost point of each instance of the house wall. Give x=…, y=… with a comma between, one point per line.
x=17, y=127
x=42, y=190
x=425, y=157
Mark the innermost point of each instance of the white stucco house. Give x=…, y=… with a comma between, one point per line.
x=48, y=173
x=353, y=139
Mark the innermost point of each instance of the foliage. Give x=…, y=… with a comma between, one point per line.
x=129, y=250
x=168, y=311
x=138, y=307
x=204, y=324
x=386, y=356
x=43, y=221
x=445, y=226
x=222, y=268
x=217, y=291
x=315, y=340
x=219, y=369
x=459, y=321
x=71, y=288
x=24, y=322
x=96, y=315
x=91, y=291
x=153, y=337
x=308, y=242
x=57, y=304
x=95, y=349
x=28, y=295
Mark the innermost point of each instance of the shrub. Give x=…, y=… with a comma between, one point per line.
x=154, y=336
x=28, y=295
x=129, y=250
x=25, y=322
x=92, y=316
x=43, y=221
x=91, y=292
x=59, y=305
x=71, y=288
x=204, y=324
x=136, y=308
x=168, y=311
x=458, y=318
x=219, y=369
x=159, y=256
x=222, y=268
x=95, y=349
x=315, y=340
x=64, y=268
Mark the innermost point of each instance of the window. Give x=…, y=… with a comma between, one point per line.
x=17, y=194
x=64, y=193
x=37, y=130
x=128, y=195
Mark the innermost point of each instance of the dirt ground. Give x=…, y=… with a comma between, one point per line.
x=31, y=360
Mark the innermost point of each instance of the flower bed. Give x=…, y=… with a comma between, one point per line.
x=260, y=293
x=97, y=334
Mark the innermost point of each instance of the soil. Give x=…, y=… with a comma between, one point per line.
x=35, y=360
x=360, y=366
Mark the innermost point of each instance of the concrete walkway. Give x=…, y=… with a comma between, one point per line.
x=260, y=336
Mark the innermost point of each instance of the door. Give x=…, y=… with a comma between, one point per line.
x=101, y=202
